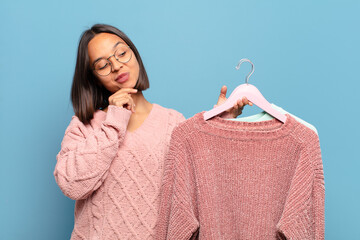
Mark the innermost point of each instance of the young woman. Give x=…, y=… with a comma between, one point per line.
x=111, y=157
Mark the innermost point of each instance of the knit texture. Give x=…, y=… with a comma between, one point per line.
x=242, y=180
x=115, y=175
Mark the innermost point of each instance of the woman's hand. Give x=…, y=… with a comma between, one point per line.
x=122, y=98
x=236, y=110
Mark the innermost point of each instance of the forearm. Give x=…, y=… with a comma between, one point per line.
x=86, y=155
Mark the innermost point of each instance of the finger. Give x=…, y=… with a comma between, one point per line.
x=115, y=98
x=245, y=101
x=236, y=106
x=126, y=90
x=223, y=91
x=121, y=101
x=235, y=110
x=133, y=91
x=132, y=104
x=120, y=95
x=128, y=103
x=240, y=103
x=222, y=96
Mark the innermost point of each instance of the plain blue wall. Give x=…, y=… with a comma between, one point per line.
x=306, y=57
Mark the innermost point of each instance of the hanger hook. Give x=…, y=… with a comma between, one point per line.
x=252, y=68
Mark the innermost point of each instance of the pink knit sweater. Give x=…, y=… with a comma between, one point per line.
x=115, y=175
x=242, y=180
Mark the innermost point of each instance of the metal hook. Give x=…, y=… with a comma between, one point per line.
x=252, y=68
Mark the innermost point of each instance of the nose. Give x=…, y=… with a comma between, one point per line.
x=116, y=65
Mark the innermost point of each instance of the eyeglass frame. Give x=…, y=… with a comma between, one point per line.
x=107, y=59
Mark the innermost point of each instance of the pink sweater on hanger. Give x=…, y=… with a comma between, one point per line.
x=114, y=175
x=242, y=180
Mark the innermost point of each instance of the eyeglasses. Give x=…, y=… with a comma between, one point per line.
x=103, y=66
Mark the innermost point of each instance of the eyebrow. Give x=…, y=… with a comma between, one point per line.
x=116, y=44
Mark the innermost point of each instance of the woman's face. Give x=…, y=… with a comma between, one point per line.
x=122, y=75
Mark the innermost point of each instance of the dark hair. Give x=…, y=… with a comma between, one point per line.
x=87, y=93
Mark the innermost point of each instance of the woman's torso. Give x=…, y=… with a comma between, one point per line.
x=125, y=206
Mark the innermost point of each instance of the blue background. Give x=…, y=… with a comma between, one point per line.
x=306, y=57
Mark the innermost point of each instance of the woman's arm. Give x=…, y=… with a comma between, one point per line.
x=86, y=153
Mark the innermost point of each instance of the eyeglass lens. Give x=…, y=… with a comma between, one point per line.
x=122, y=54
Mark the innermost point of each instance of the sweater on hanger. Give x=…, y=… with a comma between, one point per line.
x=114, y=175
x=242, y=180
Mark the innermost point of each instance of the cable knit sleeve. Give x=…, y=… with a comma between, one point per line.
x=86, y=153
x=178, y=214
x=303, y=215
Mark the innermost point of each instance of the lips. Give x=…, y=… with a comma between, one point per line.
x=122, y=78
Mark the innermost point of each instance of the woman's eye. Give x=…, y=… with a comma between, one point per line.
x=100, y=68
x=121, y=54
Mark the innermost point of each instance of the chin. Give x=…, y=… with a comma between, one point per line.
x=128, y=85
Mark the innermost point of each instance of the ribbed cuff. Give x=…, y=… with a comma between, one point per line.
x=118, y=117
x=298, y=229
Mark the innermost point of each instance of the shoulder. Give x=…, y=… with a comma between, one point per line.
x=189, y=127
x=171, y=114
x=295, y=117
x=77, y=126
x=304, y=134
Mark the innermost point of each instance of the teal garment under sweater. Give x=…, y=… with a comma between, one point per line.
x=263, y=116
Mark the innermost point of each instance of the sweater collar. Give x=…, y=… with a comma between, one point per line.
x=245, y=130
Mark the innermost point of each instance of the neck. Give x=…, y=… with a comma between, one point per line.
x=141, y=104
x=139, y=99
